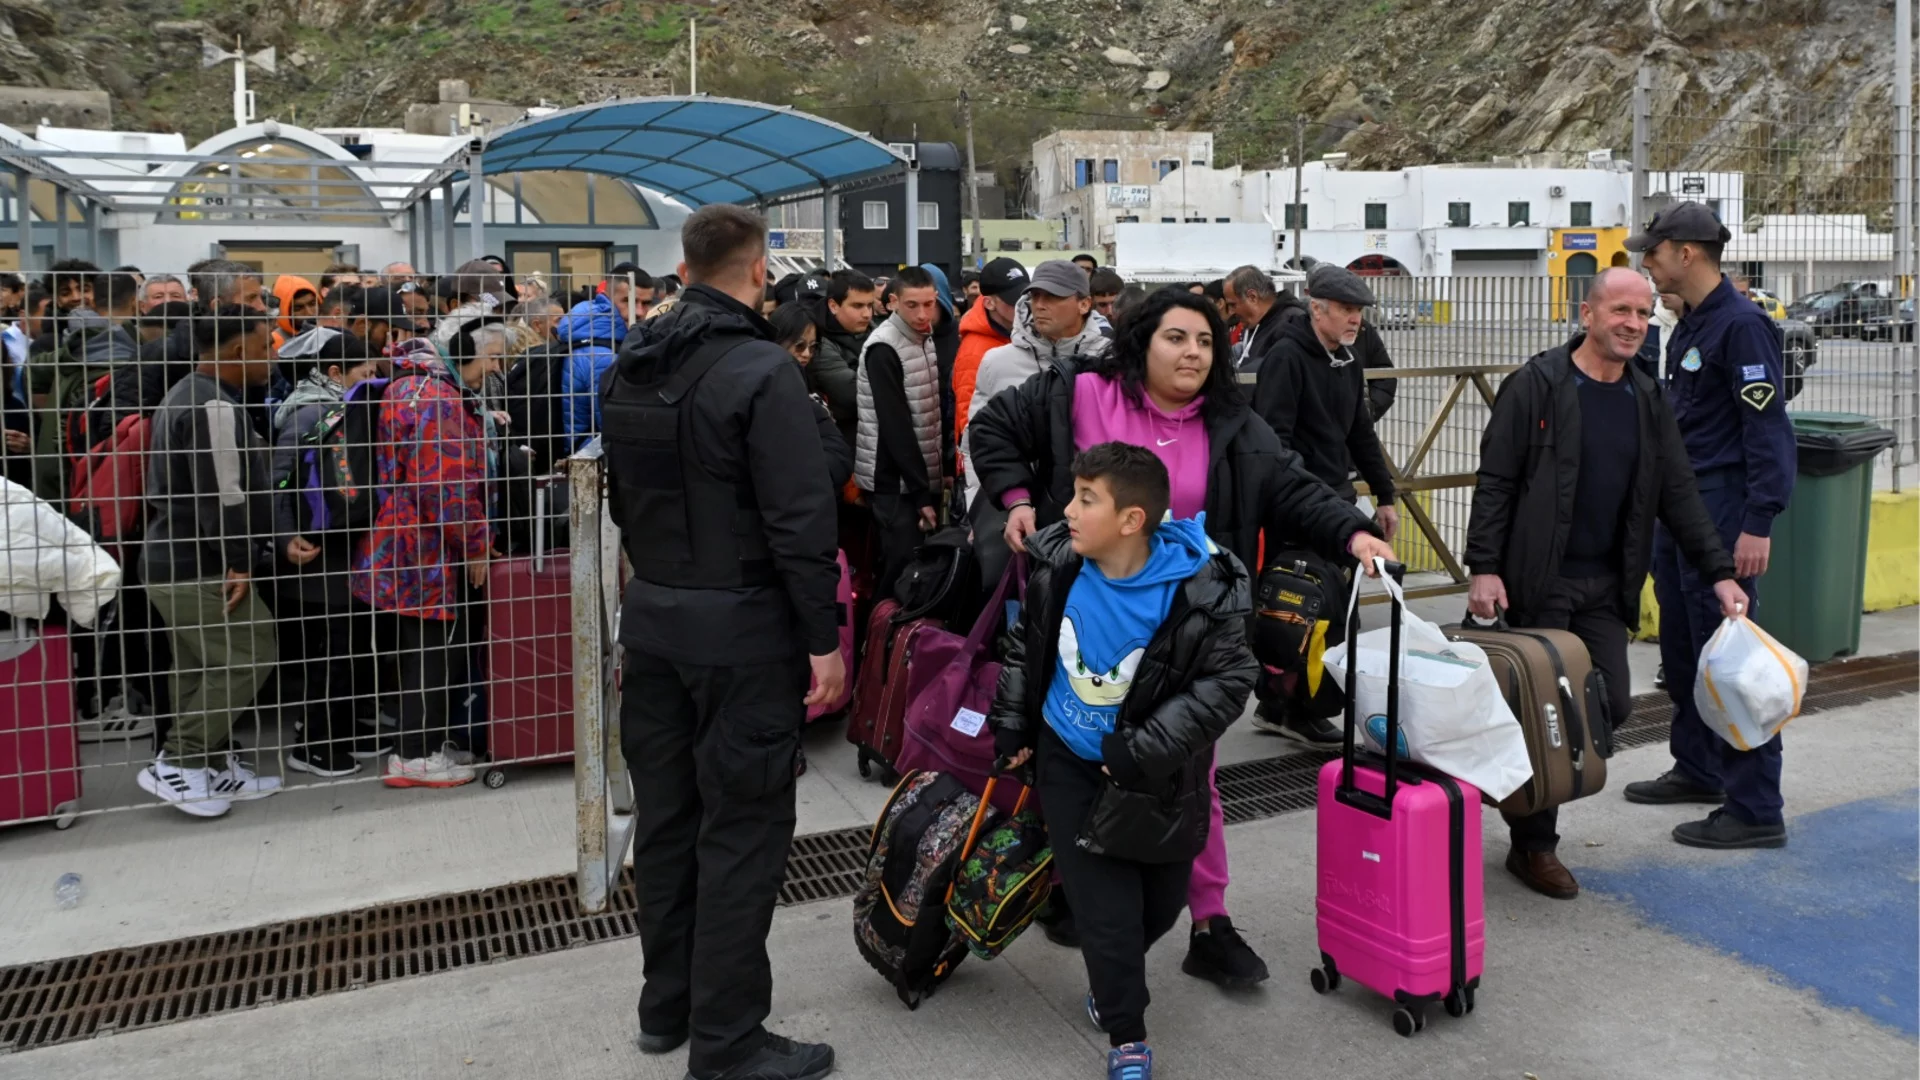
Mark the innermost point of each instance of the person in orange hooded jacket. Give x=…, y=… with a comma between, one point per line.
x=987, y=325
x=298, y=304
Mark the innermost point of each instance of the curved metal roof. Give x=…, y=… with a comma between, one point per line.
x=697, y=150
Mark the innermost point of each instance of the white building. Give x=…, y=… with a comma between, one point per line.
x=1086, y=181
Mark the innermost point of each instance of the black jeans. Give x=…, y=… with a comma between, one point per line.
x=1120, y=908
x=1589, y=608
x=326, y=665
x=711, y=751
x=896, y=522
x=432, y=657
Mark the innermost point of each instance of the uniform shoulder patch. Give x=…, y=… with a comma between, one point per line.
x=1757, y=394
x=1691, y=361
x=1753, y=372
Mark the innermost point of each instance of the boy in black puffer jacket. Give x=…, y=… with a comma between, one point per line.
x=1129, y=662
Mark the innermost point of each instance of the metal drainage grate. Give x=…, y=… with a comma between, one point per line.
x=118, y=990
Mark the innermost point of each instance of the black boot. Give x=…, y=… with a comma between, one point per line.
x=779, y=1058
x=1673, y=786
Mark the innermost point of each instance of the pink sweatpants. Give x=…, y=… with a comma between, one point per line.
x=1207, y=889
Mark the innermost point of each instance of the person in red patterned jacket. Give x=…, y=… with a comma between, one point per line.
x=425, y=558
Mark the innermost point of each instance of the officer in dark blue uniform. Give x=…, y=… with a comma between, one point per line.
x=1724, y=363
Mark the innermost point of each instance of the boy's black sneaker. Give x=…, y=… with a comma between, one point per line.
x=323, y=761
x=1221, y=956
x=1660, y=677
x=780, y=1058
x=1724, y=832
x=663, y=1044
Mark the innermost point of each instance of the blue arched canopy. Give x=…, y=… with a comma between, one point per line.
x=697, y=150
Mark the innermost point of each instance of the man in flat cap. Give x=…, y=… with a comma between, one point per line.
x=1723, y=367
x=1312, y=390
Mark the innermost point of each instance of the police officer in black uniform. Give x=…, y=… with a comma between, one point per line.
x=719, y=483
x=1723, y=363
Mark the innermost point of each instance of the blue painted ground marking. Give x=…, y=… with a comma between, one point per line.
x=1837, y=911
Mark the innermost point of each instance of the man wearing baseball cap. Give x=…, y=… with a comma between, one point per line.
x=379, y=317
x=987, y=325
x=1312, y=390
x=1724, y=379
x=1051, y=323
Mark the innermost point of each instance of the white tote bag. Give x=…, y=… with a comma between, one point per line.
x=1452, y=714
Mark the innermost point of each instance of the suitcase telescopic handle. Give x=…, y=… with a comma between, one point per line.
x=1380, y=806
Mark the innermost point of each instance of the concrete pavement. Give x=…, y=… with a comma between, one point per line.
x=1621, y=983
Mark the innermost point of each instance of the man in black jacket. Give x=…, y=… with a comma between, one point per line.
x=1580, y=458
x=1313, y=393
x=720, y=484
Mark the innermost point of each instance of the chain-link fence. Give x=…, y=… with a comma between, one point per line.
x=262, y=532
x=1811, y=188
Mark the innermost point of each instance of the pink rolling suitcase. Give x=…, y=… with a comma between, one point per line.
x=1399, y=883
x=39, y=746
x=843, y=604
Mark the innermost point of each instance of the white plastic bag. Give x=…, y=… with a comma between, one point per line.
x=1452, y=715
x=1748, y=685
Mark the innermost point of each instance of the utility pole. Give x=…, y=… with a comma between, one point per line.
x=1299, y=163
x=693, y=57
x=243, y=106
x=973, y=181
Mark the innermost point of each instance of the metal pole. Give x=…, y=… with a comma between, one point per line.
x=913, y=215
x=477, y=210
x=60, y=250
x=1642, y=145
x=973, y=184
x=413, y=235
x=23, y=219
x=90, y=224
x=426, y=236
x=595, y=867
x=829, y=221
x=446, y=223
x=693, y=57
x=1903, y=240
x=1299, y=169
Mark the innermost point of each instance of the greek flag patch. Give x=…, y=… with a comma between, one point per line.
x=1753, y=372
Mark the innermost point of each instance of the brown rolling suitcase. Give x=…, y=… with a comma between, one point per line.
x=1561, y=702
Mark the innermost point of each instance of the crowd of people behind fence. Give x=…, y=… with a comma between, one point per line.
x=328, y=468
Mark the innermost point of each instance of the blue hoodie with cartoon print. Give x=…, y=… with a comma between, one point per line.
x=1105, y=633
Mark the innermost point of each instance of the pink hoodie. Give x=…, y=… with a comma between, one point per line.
x=1103, y=413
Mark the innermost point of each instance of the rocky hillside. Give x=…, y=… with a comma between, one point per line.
x=1390, y=81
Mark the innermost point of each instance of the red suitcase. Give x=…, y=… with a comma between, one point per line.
x=1398, y=875
x=530, y=654
x=876, y=725
x=39, y=744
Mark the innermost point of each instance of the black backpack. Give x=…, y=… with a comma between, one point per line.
x=336, y=471
x=942, y=581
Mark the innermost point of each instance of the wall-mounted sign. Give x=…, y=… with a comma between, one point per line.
x=1579, y=241
x=1129, y=195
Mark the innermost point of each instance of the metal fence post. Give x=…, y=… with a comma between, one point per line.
x=589, y=703
x=1642, y=144
x=1903, y=242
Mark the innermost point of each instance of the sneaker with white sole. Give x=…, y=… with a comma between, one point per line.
x=187, y=790
x=435, y=771
x=323, y=761
x=238, y=782
x=458, y=756
x=117, y=722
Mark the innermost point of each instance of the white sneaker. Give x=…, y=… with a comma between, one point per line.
x=187, y=790
x=437, y=771
x=118, y=721
x=236, y=781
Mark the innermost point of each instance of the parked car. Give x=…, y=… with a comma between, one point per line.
x=1396, y=315
x=1894, y=325
x=1799, y=350
x=1850, y=309
x=1769, y=303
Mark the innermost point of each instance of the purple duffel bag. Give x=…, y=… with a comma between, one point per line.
x=950, y=686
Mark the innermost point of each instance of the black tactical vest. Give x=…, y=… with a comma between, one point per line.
x=681, y=526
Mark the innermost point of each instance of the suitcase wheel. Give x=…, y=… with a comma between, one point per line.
x=1406, y=1023
x=1459, y=1003
x=1325, y=979
x=866, y=770
x=66, y=814
x=494, y=778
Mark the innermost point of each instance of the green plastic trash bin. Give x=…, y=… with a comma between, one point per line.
x=1812, y=593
